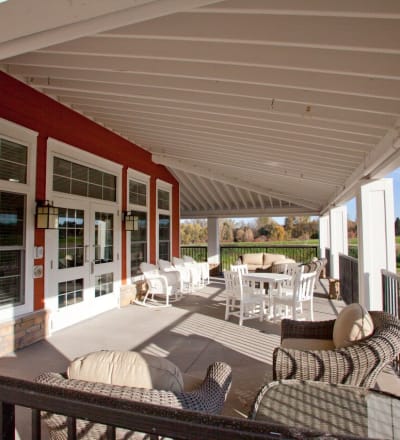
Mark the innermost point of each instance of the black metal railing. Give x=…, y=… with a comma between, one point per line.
x=121, y=413
x=300, y=253
x=391, y=301
x=328, y=262
x=348, y=278
x=198, y=253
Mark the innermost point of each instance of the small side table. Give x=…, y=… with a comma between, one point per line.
x=328, y=408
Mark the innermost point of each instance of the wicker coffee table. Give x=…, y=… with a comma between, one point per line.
x=333, y=409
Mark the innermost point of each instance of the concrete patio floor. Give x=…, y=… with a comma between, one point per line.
x=192, y=334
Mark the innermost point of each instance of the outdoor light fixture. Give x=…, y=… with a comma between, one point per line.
x=46, y=215
x=131, y=221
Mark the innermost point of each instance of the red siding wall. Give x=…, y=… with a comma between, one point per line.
x=26, y=106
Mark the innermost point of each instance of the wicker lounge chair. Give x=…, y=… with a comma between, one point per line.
x=208, y=398
x=358, y=364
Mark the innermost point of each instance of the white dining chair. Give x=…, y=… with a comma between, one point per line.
x=242, y=268
x=293, y=298
x=242, y=300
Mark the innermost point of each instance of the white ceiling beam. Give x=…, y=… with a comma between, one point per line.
x=217, y=188
x=216, y=93
x=261, y=201
x=120, y=110
x=220, y=177
x=229, y=190
x=206, y=73
x=143, y=10
x=252, y=199
x=259, y=133
x=342, y=116
x=196, y=195
x=205, y=187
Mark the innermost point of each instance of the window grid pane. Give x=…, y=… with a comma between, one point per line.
x=73, y=178
x=104, y=284
x=163, y=199
x=137, y=193
x=70, y=292
x=13, y=161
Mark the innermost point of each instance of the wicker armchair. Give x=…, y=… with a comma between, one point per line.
x=359, y=364
x=209, y=398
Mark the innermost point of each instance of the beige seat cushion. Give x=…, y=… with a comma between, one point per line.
x=127, y=368
x=253, y=259
x=308, y=344
x=353, y=324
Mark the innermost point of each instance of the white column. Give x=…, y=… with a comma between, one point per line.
x=338, y=237
x=376, y=239
x=213, y=240
x=324, y=235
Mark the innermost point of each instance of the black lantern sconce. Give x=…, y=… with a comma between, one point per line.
x=131, y=221
x=46, y=215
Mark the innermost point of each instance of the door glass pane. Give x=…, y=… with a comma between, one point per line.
x=163, y=199
x=70, y=238
x=104, y=284
x=70, y=292
x=104, y=237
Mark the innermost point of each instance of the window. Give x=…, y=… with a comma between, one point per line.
x=164, y=237
x=13, y=161
x=12, y=250
x=138, y=200
x=73, y=178
x=139, y=243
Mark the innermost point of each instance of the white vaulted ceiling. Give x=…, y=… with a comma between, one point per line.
x=258, y=107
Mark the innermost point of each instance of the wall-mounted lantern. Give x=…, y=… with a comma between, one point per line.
x=131, y=221
x=46, y=215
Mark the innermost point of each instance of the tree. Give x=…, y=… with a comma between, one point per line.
x=226, y=228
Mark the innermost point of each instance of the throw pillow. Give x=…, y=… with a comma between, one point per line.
x=353, y=324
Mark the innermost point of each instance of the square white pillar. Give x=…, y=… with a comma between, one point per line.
x=324, y=235
x=213, y=240
x=376, y=239
x=338, y=237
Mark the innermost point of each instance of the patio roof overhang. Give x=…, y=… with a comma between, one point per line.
x=262, y=107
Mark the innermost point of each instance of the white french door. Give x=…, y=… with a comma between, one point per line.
x=83, y=261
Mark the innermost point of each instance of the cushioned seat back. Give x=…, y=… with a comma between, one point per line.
x=127, y=369
x=253, y=259
x=269, y=259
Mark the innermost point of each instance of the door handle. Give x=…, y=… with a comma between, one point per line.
x=92, y=267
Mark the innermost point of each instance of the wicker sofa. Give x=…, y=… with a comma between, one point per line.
x=263, y=261
x=358, y=364
x=208, y=397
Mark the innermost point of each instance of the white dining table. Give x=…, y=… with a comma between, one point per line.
x=276, y=279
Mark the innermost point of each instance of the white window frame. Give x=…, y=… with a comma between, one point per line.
x=28, y=138
x=165, y=186
x=139, y=177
